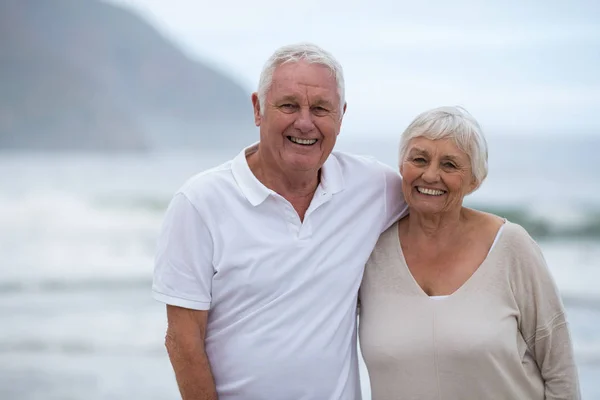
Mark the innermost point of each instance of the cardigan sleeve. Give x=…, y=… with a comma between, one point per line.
x=542, y=320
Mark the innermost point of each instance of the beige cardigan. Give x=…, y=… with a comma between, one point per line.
x=502, y=335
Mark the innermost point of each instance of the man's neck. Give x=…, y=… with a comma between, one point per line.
x=289, y=184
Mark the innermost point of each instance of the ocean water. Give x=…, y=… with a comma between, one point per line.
x=77, y=236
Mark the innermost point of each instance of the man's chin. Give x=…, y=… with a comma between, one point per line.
x=303, y=162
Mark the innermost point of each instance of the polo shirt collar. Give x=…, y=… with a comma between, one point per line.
x=250, y=186
x=331, y=177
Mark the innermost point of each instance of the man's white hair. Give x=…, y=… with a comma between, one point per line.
x=451, y=123
x=307, y=52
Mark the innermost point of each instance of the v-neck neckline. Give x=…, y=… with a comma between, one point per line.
x=481, y=269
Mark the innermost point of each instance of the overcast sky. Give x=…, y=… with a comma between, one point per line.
x=519, y=66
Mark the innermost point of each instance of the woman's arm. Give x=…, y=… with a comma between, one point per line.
x=542, y=320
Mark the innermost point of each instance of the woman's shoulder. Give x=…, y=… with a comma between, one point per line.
x=518, y=249
x=518, y=233
x=512, y=238
x=485, y=221
x=517, y=238
x=387, y=248
x=482, y=218
x=388, y=240
x=483, y=224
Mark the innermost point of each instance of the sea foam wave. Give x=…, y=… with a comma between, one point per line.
x=63, y=211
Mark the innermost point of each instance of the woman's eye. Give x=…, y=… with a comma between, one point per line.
x=419, y=160
x=449, y=165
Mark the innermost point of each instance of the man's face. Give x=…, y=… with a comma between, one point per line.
x=301, y=117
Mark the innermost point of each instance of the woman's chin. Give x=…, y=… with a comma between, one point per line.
x=427, y=208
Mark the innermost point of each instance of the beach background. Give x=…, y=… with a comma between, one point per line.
x=77, y=236
x=78, y=226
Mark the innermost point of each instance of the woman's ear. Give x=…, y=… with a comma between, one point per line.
x=473, y=185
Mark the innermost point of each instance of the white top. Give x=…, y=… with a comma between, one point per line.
x=281, y=293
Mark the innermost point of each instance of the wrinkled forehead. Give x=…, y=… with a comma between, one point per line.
x=436, y=147
x=304, y=82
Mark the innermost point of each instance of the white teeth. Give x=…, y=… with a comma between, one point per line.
x=303, y=141
x=430, y=192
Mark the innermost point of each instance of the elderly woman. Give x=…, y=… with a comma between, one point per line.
x=458, y=304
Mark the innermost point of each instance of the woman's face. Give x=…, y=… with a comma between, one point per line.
x=436, y=176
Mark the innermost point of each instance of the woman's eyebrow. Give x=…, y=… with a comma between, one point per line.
x=418, y=150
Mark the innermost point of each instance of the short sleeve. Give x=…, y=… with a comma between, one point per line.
x=183, y=269
x=395, y=204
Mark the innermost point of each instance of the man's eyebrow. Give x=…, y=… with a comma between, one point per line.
x=288, y=97
x=323, y=102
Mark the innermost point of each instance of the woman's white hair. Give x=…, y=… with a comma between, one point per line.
x=307, y=52
x=451, y=123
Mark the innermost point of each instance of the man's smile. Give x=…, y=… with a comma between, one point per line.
x=304, y=142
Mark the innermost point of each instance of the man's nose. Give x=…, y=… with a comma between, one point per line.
x=304, y=122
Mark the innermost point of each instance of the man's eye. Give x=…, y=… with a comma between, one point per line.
x=320, y=110
x=288, y=108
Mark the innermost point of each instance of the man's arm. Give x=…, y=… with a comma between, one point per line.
x=185, y=344
x=395, y=205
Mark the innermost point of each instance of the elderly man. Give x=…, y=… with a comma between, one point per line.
x=260, y=259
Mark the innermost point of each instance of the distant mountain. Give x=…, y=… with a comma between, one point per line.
x=87, y=75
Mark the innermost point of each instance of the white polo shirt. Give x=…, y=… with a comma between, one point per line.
x=281, y=292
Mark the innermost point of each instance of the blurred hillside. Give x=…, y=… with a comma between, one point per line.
x=86, y=75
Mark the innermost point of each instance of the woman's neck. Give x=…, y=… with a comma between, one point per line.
x=442, y=228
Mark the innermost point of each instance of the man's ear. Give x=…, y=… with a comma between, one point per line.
x=257, y=110
x=342, y=116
